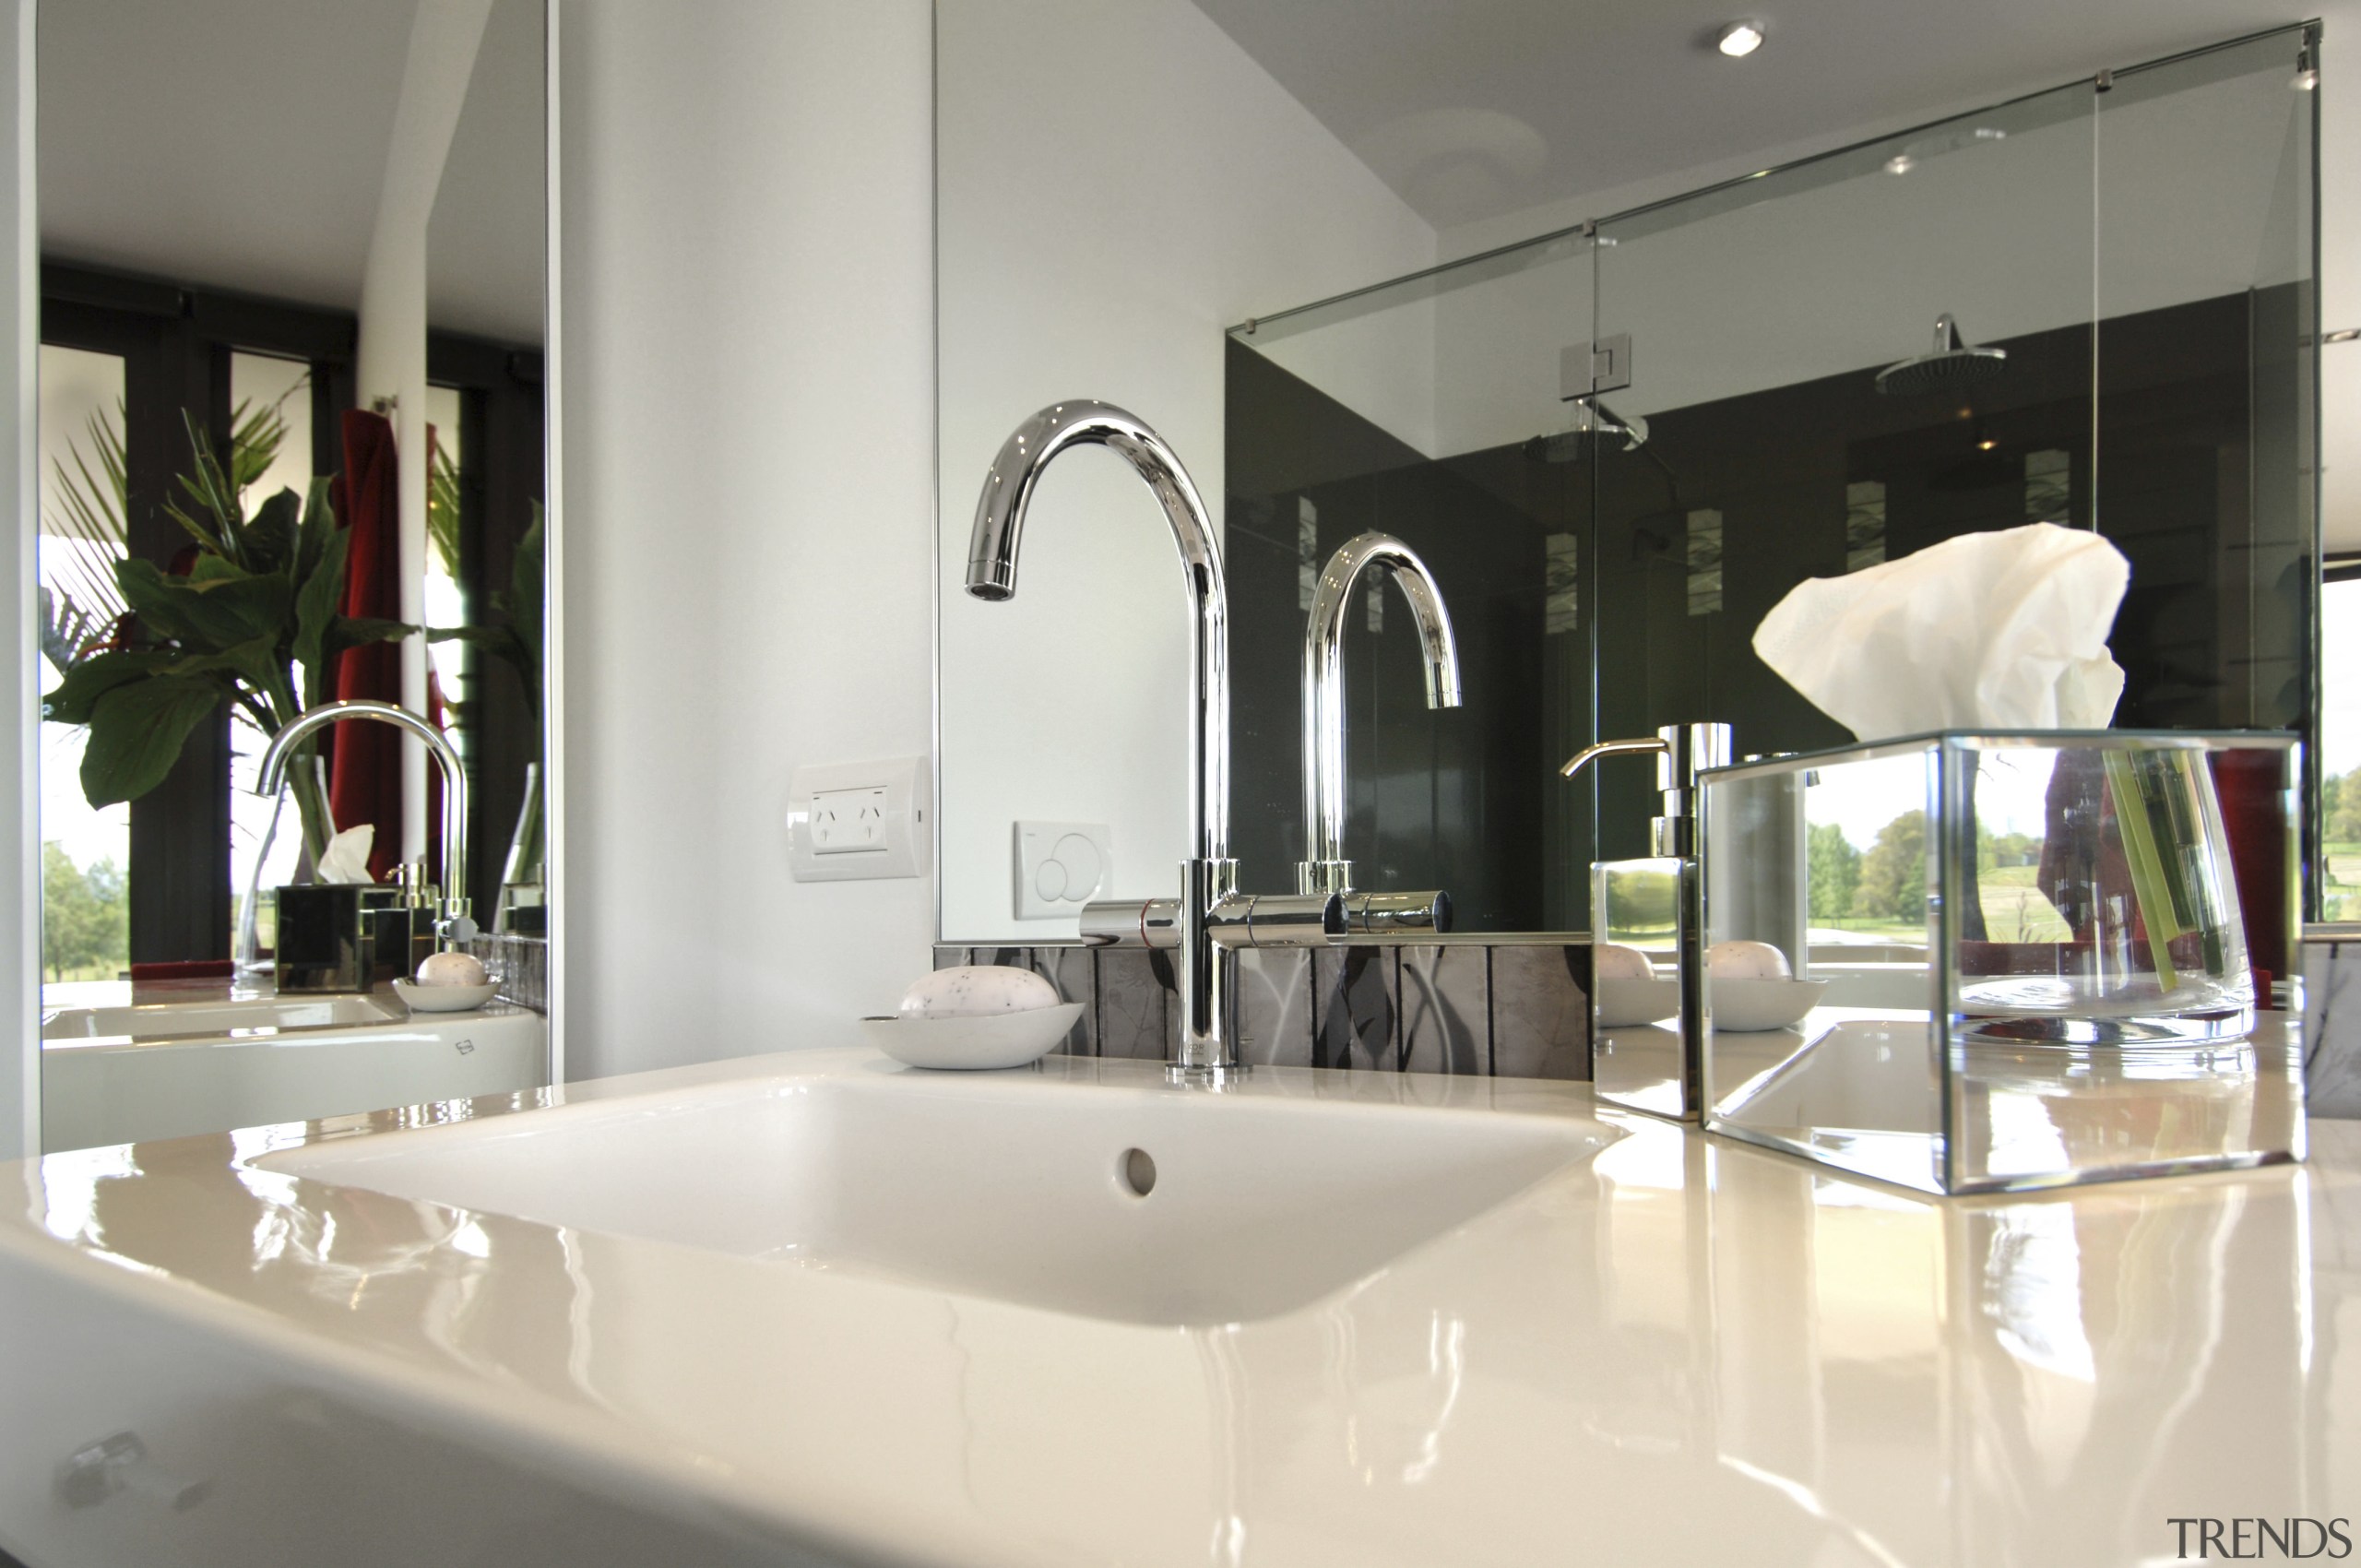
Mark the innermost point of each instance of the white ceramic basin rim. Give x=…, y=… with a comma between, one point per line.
x=1014, y=1187
x=175, y=1020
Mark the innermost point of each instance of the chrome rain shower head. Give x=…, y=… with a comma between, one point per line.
x=1948, y=366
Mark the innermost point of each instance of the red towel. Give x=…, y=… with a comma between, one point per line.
x=366, y=763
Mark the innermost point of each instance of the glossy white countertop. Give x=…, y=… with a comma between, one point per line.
x=1684, y=1351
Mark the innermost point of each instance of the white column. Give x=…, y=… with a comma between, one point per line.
x=747, y=399
x=392, y=354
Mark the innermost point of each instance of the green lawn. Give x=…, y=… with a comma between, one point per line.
x=2014, y=910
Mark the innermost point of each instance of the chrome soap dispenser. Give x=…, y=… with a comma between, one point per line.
x=1647, y=1035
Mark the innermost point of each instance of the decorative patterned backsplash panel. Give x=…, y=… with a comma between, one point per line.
x=2333, y=1028
x=519, y=965
x=1515, y=1009
x=1510, y=1008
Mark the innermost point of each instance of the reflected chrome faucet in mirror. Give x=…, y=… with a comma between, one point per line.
x=1324, y=868
x=456, y=925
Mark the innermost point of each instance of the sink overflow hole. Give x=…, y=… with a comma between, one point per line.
x=1139, y=1171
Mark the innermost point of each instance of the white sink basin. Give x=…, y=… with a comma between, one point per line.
x=1010, y=1187
x=115, y=1072
x=172, y=1020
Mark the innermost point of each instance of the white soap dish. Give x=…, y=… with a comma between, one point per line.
x=981, y=1041
x=1751, y=1006
x=444, y=998
x=1623, y=1002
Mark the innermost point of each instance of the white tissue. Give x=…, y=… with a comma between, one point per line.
x=2003, y=630
x=347, y=857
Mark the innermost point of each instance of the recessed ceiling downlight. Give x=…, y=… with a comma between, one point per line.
x=1740, y=38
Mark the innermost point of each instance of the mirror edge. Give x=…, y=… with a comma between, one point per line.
x=20, y=1092
x=553, y=536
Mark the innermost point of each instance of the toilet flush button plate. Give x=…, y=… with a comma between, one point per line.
x=1060, y=867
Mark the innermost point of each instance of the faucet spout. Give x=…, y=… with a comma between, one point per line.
x=273, y=778
x=1324, y=868
x=1207, y=968
x=991, y=574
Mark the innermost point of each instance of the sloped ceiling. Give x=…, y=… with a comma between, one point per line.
x=1476, y=108
x=241, y=143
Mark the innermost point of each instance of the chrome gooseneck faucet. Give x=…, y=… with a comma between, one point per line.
x=456, y=925
x=1324, y=868
x=1210, y=874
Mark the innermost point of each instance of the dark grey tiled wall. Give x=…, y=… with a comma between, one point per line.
x=1518, y=1009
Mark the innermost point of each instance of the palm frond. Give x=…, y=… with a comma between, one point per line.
x=224, y=510
x=66, y=629
x=86, y=511
x=256, y=432
x=442, y=507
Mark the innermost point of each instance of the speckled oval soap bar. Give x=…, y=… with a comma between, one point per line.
x=451, y=968
x=976, y=990
x=1747, y=960
x=1613, y=961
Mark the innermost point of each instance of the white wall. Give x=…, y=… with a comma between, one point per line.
x=1118, y=183
x=19, y=755
x=747, y=397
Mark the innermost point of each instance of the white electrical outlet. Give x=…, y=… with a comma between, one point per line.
x=1060, y=866
x=861, y=819
x=849, y=821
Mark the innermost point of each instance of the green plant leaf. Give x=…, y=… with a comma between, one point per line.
x=312, y=535
x=216, y=497
x=315, y=609
x=360, y=631
x=93, y=678
x=443, y=503
x=231, y=605
x=217, y=606
x=258, y=660
x=136, y=733
x=155, y=599
x=526, y=591
x=492, y=639
x=271, y=538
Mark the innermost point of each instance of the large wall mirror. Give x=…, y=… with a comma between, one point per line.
x=2142, y=256
x=293, y=427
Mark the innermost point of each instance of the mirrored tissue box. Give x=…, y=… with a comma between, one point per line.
x=349, y=937
x=1978, y=961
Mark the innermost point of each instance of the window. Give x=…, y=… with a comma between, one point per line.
x=86, y=851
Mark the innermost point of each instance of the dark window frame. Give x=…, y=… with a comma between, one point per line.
x=502, y=469
x=175, y=340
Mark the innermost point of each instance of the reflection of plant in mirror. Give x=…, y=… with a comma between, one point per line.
x=256, y=604
x=92, y=499
x=442, y=508
x=85, y=917
x=517, y=639
x=88, y=516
